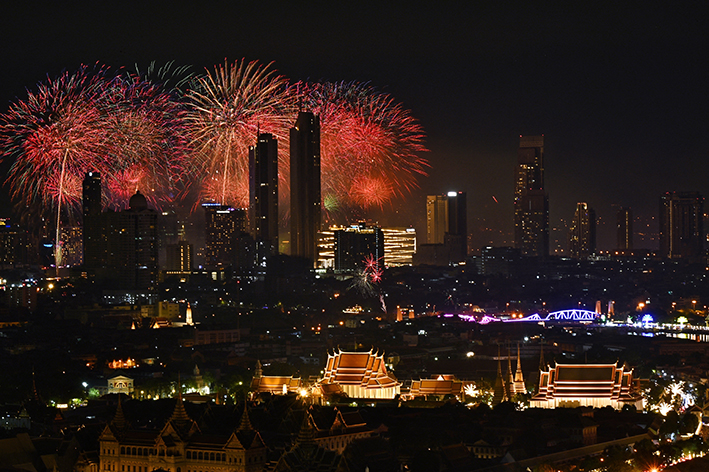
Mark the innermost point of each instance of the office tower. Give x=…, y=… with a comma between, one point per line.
x=447, y=223
x=263, y=194
x=624, y=229
x=399, y=246
x=436, y=218
x=135, y=243
x=356, y=243
x=531, y=203
x=93, y=236
x=179, y=257
x=223, y=226
x=457, y=234
x=681, y=225
x=582, y=232
x=305, y=200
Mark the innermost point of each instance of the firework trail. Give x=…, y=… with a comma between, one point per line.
x=55, y=135
x=370, y=144
x=228, y=107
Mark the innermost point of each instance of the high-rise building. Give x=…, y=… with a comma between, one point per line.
x=223, y=226
x=263, y=193
x=355, y=244
x=135, y=245
x=436, y=218
x=399, y=246
x=531, y=203
x=624, y=229
x=93, y=234
x=305, y=199
x=13, y=245
x=681, y=225
x=72, y=241
x=582, y=232
x=179, y=257
x=447, y=223
x=457, y=234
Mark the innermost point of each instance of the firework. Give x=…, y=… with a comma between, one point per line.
x=55, y=136
x=147, y=149
x=370, y=144
x=369, y=276
x=229, y=107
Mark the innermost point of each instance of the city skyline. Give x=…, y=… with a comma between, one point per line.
x=617, y=93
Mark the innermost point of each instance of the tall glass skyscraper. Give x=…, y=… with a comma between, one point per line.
x=305, y=214
x=531, y=203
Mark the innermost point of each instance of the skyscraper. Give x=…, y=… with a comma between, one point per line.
x=681, y=225
x=582, y=233
x=447, y=223
x=94, y=244
x=531, y=203
x=137, y=245
x=305, y=197
x=223, y=226
x=624, y=229
x=457, y=234
x=263, y=193
x=436, y=218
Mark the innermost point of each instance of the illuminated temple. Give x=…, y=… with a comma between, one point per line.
x=592, y=385
x=359, y=375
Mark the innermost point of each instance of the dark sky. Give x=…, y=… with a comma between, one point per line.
x=620, y=92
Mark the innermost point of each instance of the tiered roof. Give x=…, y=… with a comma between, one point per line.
x=587, y=381
x=364, y=369
x=441, y=385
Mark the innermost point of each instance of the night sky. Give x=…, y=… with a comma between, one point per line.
x=620, y=92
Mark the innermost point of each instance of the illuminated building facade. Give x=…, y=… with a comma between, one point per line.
x=360, y=375
x=590, y=385
x=624, y=229
x=326, y=247
x=263, y=193
x=531, y=203
x=681, y=225
x=223, y=226
x=305, y=197
x=356, y=243
x=399, y=246
x=582, y=233
x=436, y=218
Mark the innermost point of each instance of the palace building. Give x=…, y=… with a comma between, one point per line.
x=592, y=385
x=180, y=446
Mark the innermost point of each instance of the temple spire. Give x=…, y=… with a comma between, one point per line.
x=510, y=380
x=499, y=393
x=519, y=378
x=245, y=424
x=119, y=420
x=306, y=435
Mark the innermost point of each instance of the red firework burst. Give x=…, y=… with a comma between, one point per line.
x=55, y=136
x=147, y=147
x=370, y=144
